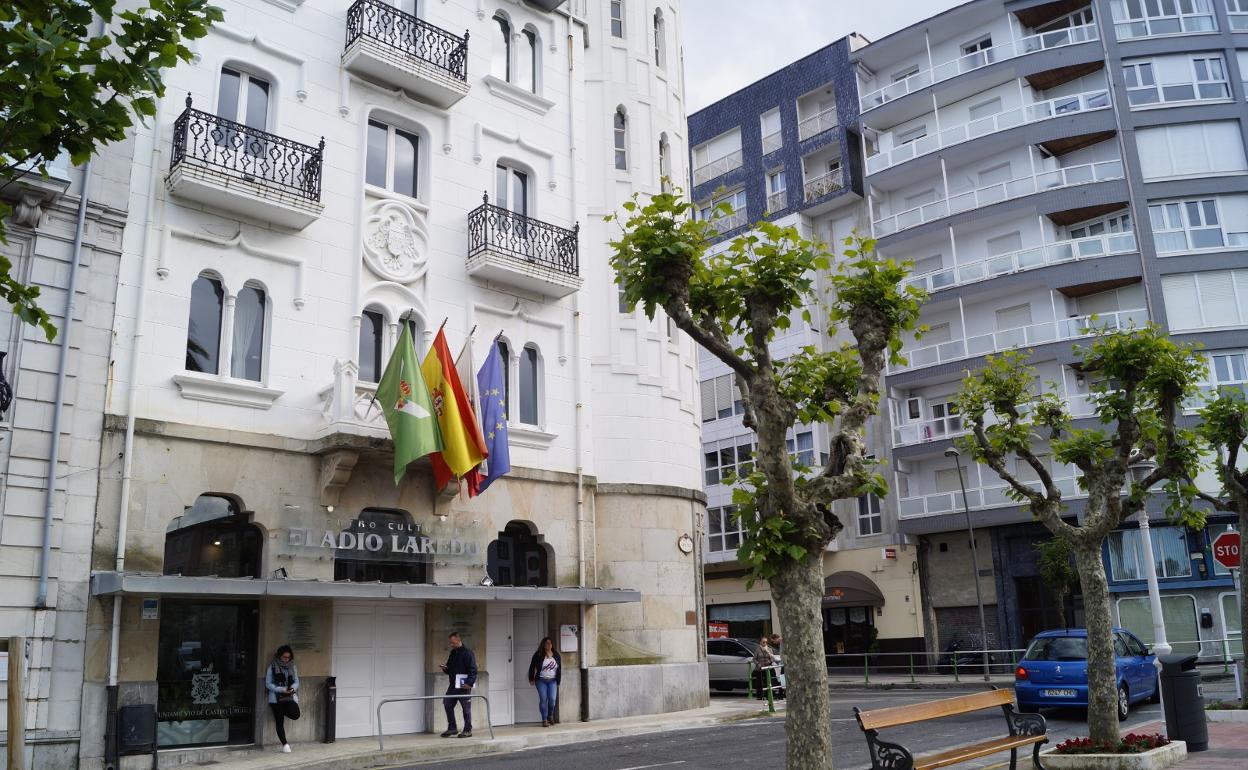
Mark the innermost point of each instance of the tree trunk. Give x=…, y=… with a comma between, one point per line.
x=1102, y=679
x=797, y=590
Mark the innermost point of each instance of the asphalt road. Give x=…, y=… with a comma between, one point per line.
x=760, y=743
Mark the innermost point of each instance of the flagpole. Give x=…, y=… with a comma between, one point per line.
x=467, y=341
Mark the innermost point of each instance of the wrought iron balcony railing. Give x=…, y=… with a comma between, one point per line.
x=204, y=139
x=408, y=35
x=495, y=229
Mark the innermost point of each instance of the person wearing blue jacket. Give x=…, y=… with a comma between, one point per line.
x=282, y=681
x=461, y=667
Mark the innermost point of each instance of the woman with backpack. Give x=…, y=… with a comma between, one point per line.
x=282, y=681
x=545, y=673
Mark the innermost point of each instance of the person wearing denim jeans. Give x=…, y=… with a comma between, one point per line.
x=545, y=673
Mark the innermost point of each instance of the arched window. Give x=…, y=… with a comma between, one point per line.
x=530, y=386
x=203, y=331
x=518, y=557
x=511, y=189
x=213, y=537
x=382, y=549
x=247, y=353
x=393, y=158
x=372, y=329
x=500, y=57
x=243, y=98
x=621, y=139
x=665, y=164
x=528, y=64
x=617, y=18
x=504, y=353
x=660, y=47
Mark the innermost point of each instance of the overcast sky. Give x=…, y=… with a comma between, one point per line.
x=731, y=43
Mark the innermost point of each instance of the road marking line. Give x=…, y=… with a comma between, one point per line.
x=665, y=764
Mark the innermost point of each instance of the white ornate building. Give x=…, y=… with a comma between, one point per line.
x=322, y=173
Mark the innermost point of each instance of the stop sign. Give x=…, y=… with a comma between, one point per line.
x=1226, y=549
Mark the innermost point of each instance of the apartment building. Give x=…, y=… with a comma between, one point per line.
x=323, y=177
x=1051, y=167
x=787, y=149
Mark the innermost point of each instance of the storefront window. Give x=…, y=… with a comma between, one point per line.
x=206, y=673
x=385, y=564
x=213, y=538
x=749, y=620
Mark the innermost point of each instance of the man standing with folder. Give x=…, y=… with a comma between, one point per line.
x=461, y=667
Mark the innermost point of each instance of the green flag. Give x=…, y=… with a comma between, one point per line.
x=409, y=410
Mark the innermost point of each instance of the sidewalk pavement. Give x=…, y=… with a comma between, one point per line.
x=1228, y=748
x=361, y=753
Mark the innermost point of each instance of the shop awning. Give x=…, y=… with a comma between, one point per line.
x=850, y=589
x=152, y=584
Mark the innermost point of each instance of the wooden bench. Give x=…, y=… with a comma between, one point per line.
x=1025, y=730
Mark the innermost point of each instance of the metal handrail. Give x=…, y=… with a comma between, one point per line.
x=1042, y=41
x=532, y=241
x=968, y=200
x=1001, y=121
x=816, y=124
x=408, y=35
x=824, y=184
x=247, y=152
x=381, y=738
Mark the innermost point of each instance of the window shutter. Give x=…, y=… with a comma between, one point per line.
x=1217, y=298
x=1004, y=244
x=1182, y=301
x=708, y=400
x=723, y=392
x=1013, y=317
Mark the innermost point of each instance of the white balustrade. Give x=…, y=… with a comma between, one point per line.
x=978, y=498
x=816, y=124
x=1019, y=116
x=730, y=222
x=1032, y=43
x=823, y=185
x=1023, y=336
x=777, y=200
x=987, y=195
x=772, y=142
x=717, y=167
x=1025, y=259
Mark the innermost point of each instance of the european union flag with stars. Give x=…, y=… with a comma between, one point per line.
x=492, y=392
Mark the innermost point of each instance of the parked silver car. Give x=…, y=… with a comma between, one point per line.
x=728, y=661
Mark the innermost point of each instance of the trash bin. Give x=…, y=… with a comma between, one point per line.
x=331, y=709
x=1183, y=700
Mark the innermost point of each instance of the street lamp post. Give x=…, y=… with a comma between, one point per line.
x=1160, y=645
x=979, y=597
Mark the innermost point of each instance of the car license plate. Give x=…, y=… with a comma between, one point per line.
x=1058, y=693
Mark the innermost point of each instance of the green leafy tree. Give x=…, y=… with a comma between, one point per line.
x=733, y=303
x=1224, y=425
x=1056, y=572
x=1140, y=379
x=67, y=88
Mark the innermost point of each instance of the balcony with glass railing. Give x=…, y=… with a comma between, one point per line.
x=824, y=184
x=1153, y=18
x=1057, y=253
x=1019, y=116
x=1024, y=336
x=717, y=167
x=816, y=124
x=977, y=498
x=772, y=142
x=729, y=222
x=915, y=432
x=987, y=195
x=1042, y=41
x=777, y=201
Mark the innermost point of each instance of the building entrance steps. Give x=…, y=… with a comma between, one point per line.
x=360, y=753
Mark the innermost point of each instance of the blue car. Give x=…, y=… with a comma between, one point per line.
x=1054, y=671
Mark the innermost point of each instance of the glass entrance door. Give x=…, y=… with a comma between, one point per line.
x=206, y=673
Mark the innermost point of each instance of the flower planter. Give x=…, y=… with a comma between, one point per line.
x=1239, y=716
x=1162, y=756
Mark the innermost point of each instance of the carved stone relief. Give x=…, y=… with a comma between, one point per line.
x=396, y=241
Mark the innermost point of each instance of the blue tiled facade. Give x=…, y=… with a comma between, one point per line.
x=829, y=66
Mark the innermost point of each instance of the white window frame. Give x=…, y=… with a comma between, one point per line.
x=1176, y=220
x=1127, y=26
x=739, y=467
x=660, y=39
x=1156, y=534
x=539, y=385
x=1111, y=224
x=619, y=134
x=616, y=19
x=391, y=132
x=728, y=526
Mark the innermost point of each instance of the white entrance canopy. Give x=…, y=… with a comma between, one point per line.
x=110, y=583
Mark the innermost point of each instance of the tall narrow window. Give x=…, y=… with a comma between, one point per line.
x=665, y=164
x=500, y=59
x=528, y=62
x=243, y=98
x=621, y=139
x=203, y=332
x=617, y=18
x=660, y=52
x=247, y=357
x=504, y=353
x=511, y=189
x=529, y=385
x=371, y=326
x=392, y=160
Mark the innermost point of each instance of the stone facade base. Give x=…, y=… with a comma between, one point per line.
x=625, y=691
x=1165, y=756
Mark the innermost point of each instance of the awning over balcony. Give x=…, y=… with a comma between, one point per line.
x=850, y=589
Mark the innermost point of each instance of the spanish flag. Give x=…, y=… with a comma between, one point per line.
x=463, y=444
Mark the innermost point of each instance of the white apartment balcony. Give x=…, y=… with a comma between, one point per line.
x=777, y=201
x=388, y=45
x=1200, y=18
x=728, y=223
x=916, y=432
x=824, y=184
x=717, y=167
x=1027, y=259
x=970, y=62
x=1019, y=116
x=816, y=124
x=980, y=197
x=1023, y=336
x=977, y=498
x=772, y=142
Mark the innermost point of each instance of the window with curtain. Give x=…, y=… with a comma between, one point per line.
x=530, y=386
x=500, y=56
x=372, y=327
x=621, y=139
x=504, y=354
x=247, y=355
x=660, y=48
x=392, y=158
x=1170, y=554
x=203, y=331
x=617, y=18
